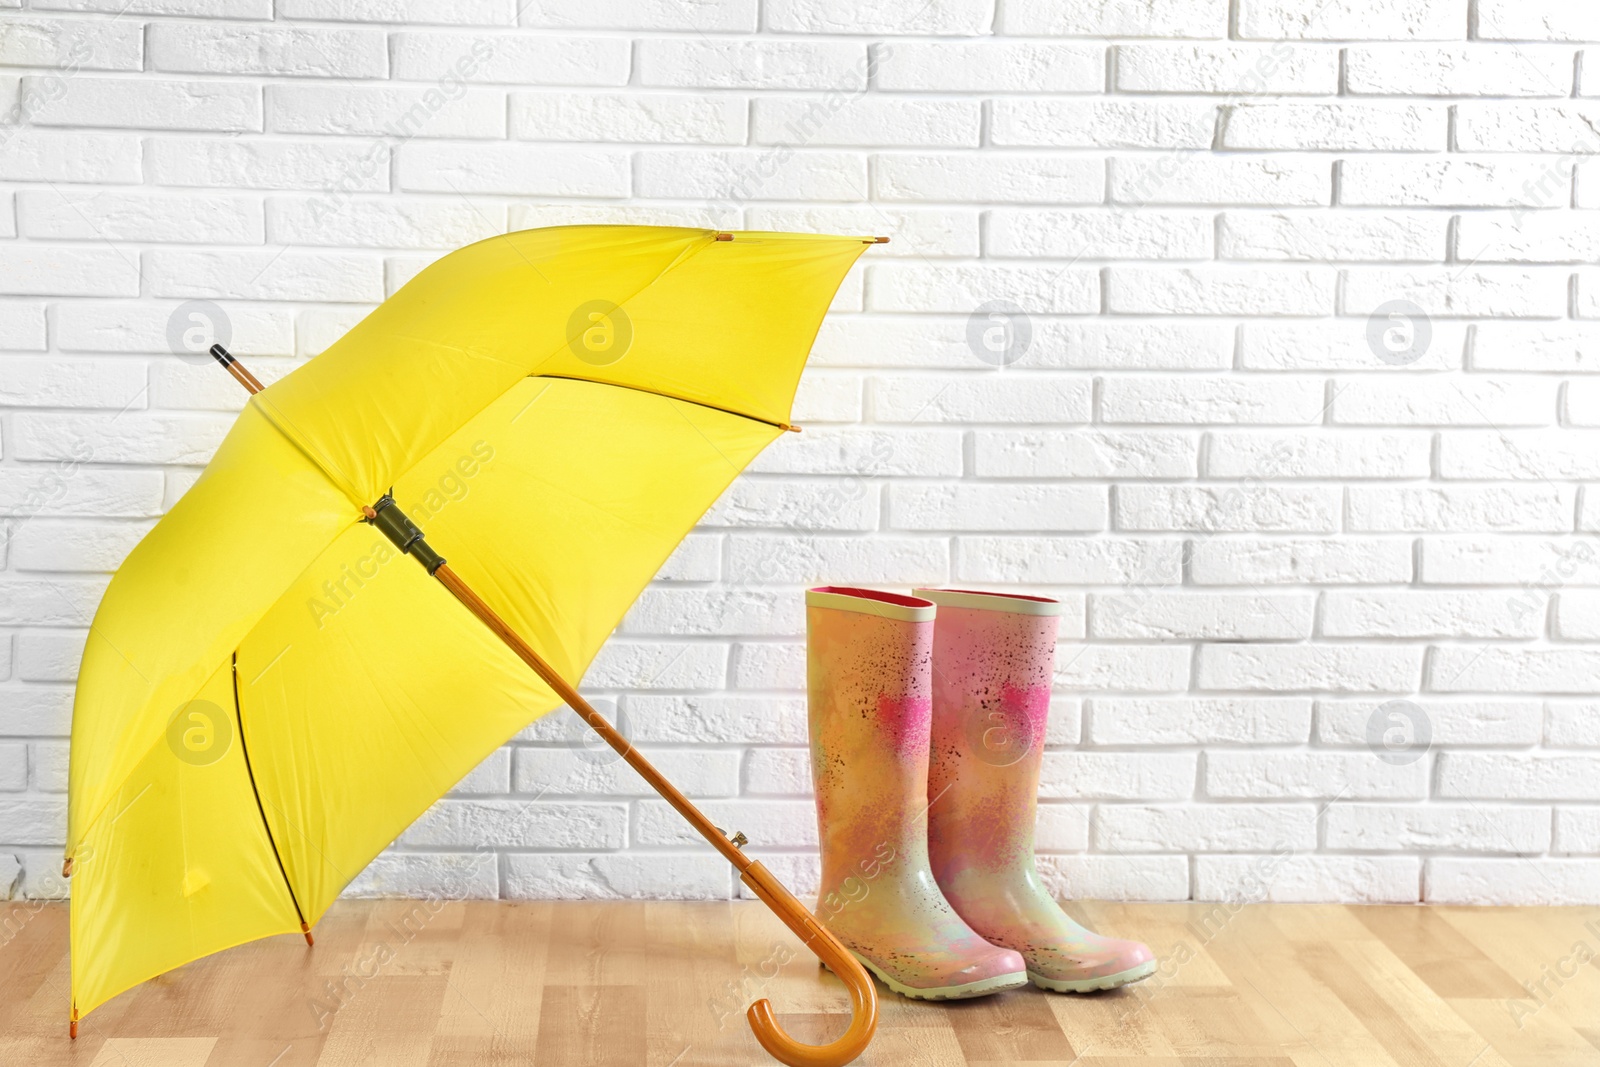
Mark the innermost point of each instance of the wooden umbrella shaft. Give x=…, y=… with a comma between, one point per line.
x=763, y=1022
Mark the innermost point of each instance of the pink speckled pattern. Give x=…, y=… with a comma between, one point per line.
x=991, y=701
x=870, y=713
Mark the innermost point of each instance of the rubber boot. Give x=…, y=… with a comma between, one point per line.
x=868, y=662
x=993, y=659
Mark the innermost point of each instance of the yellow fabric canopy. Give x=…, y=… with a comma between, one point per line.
x=270, y=694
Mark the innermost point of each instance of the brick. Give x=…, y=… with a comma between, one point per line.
x=963, y=289
x=1102, y=123
x=1231, y=69
x=914, y=232
x=732, y=178
x=1013, y=506
x=1083, y=454
x=1450, y=721
x=554, y=772
x=1300, y=878
x=1131, y=668
x=1456, y=291
x=95, y=326
x=752, y=64
x=1321, y=561
x=382, y=222
x=264, y=275
x=1317, y=454
x=1393, y=401
x=1117, y=776
x=224, y=9
x=1328, y=668
x=1438, y=827
x=1537, y=20
x=655, y=118
x=797, y=504
x=866, y=452
x=1414, y=614
x=1068, y=561
x=1513, y=670
x=1543, y=237
x=71, y=157
x=57, y=382
x=434, y=55
x=1474, y=69
x=90, y=44
x=470, y=12
x=1188, y=400
x=778, y=772
x=1347, y=344
x=1312, y=775
x=1335, y=127
x=1573, y=725
x=1462, y=182
x=148, y=103
x=1507, y=776
x=961, y=18
x=1106, y=18
x=974, y=399
x=34, y=820
x=1582, y=404
x=717, y=611
x=22, y=325
x=105, y=215
x=1542, y=508
x=50, y=270
x=1532, y=562
x=645, y=665
x=69, y=488
x=1198, y=720
x=1523, y=881
x=771, y=823
x=512, y=169
x=299, y=51
x=1227, y=508
x=133, y=437
x=1317, y=236
x=518, y=824
x=717, y=719
x=374, y=111
x=1098, y=234
x=986, y=177
x=1204, y=827
x=321, y=166
x=992, y=66
x=1578, y=616
x=784, y=558
x=1577, y=831
x=433, y=877
x=1520, y=454
x=1208, y=178
x=1199, y=616
x=1220, y=290
x=1115, y=877
x=1334, y=20
x=736, y=15
x=866, y=121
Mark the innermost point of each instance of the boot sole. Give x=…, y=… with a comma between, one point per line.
x=1090, y=985
x=987, y=986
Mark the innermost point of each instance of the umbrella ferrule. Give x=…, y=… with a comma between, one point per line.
x=403, y=533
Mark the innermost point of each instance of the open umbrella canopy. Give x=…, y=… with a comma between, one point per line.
x=270, y=695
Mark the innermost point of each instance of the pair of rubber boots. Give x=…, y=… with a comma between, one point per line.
x=928, y=718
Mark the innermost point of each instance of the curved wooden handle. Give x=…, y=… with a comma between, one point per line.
x=863, y=994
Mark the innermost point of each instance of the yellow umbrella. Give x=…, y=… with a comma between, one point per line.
x=270, y=694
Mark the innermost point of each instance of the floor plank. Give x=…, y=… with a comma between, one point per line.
x=665, y=984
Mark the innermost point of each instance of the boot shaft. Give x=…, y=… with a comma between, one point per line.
x=993, y=663
x=869, y=700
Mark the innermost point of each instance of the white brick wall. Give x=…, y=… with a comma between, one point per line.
x=1303, y=436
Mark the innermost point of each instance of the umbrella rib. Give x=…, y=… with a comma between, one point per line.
x=244, y=749
x=672, y=396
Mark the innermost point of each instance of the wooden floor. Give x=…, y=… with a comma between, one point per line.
x=665, y=984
